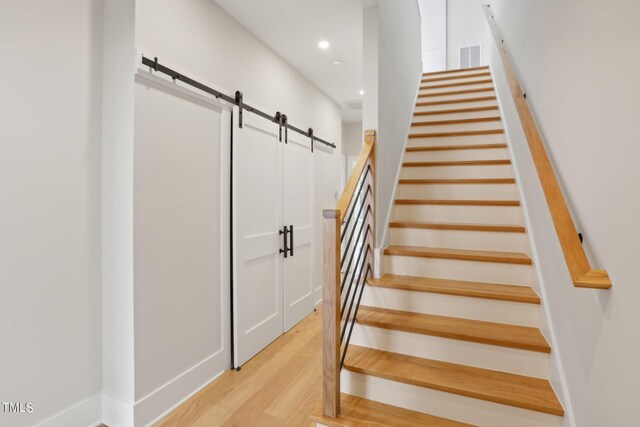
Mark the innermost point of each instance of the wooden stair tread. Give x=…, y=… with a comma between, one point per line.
x=357, y=411
x=455, y=84
x=468, y=76
x=455, y=111
x=484, y=162
x=458, y=121
x=457, y=133
x=460, y=70
x=498, y=334
x=498, y=228
x=456, y=92
x=501, y=387
x=458, y=181
x=513, y=293
x=457, y=147
x=448, y=202
x=459, y=254
x=456, y=101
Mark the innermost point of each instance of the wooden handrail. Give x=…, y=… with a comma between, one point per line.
x=335, y=221
x=363, y=157
x=580, y=270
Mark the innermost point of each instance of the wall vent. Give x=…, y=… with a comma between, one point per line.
x=356, y=104
x=470, y=57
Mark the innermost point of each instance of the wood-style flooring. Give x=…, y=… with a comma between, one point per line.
x=280, y=386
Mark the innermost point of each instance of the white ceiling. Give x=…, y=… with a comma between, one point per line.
x=293, y=28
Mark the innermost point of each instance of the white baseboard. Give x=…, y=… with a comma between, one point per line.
x=116, y=412
x=83, y=414
x=163, y=400
x=166, y=398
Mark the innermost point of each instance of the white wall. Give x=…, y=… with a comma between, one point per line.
x=587, y=112
x=181, y=276
x=370, y=67
x=465, y=27
x=434, y=34
x=352, y=141
x=50, y=121
x=117, y=212
x=352, y=138
x=399, y=72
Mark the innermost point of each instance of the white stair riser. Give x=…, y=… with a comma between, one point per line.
x=488, y=310
x=457, y=191
x=466, y=214
x=456, y=73
x=457, y=140
x=456, y=116
x=459, y=239
x=455, y=105
x=443, y=404
x=515, y=361
x=458, y=171
x=457, y=127
x=452, y=88
x=467, y=154
x=491, y=272
x=455, y=80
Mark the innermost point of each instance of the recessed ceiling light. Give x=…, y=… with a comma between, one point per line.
x=336, y=63
x=323, y=44
x=361, y=92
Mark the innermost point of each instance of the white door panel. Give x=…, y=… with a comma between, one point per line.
x=257, y=178
x=273, y=189
x=298, y=211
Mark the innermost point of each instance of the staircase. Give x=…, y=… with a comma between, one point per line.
x=450, y=334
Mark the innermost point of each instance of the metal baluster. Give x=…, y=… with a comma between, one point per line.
x=360, y=261
x=362, y=180
x=355, y=316
x=346, y=320
x=347, y=246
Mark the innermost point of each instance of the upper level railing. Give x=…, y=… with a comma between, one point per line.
x=348, y=243
x=580, y=270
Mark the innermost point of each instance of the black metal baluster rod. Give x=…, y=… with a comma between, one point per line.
x=347, y=317
x=346, y=273
x=362, y=179
x=362, y=205
x=354, y=248
x=350, y=238
x=345, y=276
x=355, y=316
x=353, y=206
x=359, y=265
x=356, y=266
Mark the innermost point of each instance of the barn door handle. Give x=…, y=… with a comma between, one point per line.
x=284, y=231
x=291, y=242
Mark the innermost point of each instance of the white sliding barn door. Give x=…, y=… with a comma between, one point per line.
x=272, y=189
x=298, y=212
x=257, y=212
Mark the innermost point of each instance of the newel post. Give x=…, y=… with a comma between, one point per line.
x=331, y=313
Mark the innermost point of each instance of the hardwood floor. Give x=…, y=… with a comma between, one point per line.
x=280, y=386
